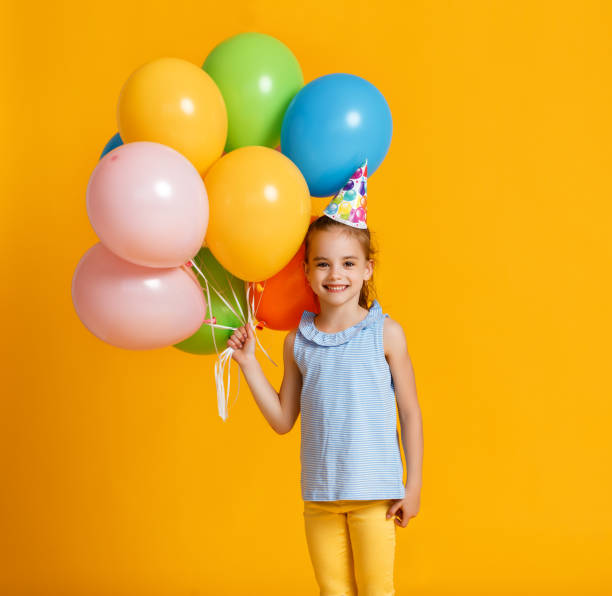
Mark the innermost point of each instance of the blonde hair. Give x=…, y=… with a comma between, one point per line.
x=368, y=290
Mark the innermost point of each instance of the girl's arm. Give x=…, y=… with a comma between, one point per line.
x=408, y=404
x=279, y=409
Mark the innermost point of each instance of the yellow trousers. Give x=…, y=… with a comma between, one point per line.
x=351, y=546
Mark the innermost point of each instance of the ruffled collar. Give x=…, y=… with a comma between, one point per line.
x=309, y=331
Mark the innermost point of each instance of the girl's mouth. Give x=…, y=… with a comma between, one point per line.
x=335, y=288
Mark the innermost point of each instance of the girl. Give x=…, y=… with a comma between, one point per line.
x=343, y=370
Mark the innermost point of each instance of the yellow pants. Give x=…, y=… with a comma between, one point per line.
x=351, y=546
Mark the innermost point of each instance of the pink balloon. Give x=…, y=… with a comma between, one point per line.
x=148, y=204
x=135, y=307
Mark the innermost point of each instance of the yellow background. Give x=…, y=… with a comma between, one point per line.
x=492, y=212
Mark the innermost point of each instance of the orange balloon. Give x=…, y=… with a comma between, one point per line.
x=259, y=208
x=175, y=103
x=285, y=296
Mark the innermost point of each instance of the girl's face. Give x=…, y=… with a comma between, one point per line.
x=336, y=267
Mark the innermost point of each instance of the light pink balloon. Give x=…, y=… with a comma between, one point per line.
x=135, y=307
x=148, y=204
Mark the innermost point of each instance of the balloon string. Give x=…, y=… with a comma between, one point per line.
x=225, y=357
x=235, y=297
x=260, y=295
x=212, y=316
x=222, y=396
x=218, y=293
x=238, y=316
x=252, y=306
x=220, y=326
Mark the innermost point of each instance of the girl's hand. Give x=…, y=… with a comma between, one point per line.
x=406, y=508
x=243, y=343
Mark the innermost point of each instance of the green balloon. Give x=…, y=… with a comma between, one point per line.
x=201, y=342
x=258, y=76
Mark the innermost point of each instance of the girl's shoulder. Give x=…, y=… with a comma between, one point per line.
x=394, y=338
x=290, y=337
x=289, y=346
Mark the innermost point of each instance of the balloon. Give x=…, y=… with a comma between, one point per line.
x=258, y=77
x=148, y=204
x=285, y=296
x=134, y=307
x=201, y=342
x=114, y=142
x=259, y=211
x=331, y=126
x=173, y=102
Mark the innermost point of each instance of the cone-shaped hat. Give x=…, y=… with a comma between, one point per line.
x=349, y=206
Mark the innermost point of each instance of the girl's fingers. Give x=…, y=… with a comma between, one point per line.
x=236, y=344
x=241, y=335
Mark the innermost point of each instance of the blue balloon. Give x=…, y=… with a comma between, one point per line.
x=332, y=126
x=114, y=142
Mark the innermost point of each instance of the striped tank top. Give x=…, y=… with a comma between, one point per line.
x=350, y=443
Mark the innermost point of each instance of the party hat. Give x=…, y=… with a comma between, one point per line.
x=349, y=205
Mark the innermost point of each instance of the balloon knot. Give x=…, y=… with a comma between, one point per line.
x=212, y=321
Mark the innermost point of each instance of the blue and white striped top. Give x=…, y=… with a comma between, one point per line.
x=350, y=444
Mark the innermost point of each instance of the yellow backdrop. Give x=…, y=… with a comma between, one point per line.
x=492, y=213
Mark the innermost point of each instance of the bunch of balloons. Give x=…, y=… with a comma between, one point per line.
x=201, y=218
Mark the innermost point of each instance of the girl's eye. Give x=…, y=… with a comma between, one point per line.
x=345, y=262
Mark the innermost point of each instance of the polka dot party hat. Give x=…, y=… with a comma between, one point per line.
x=349, y=206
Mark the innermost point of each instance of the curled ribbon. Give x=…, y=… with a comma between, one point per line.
x=224, y=358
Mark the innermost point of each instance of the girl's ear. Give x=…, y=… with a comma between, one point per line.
x=370, y=268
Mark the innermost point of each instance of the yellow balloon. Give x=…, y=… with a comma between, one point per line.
x=175, y=103
x=259, y=211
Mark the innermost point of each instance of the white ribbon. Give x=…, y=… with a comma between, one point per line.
x=224, y=358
